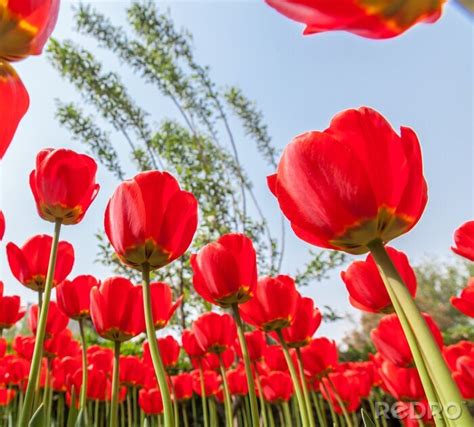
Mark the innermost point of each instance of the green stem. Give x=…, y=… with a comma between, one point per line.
x=286, y=413
x=203, y=396
x=175, y=403
x=304, y=386
x=372, y=409
x=271, y=419
x=48, y=394
x=331, y=407
x=41, y=331
x=129, y=408
x=194, y=409
x=319, y=411
x=380, y=398
x=83, y=396
x=115, y=386
x=184, y=414
x=96, y=413
x=212, y=408
x=436, y=368
x=261, y=398
x=154, y=349
x=248, y=368
x=227, y=399
x=294, y=378
x=341, y=404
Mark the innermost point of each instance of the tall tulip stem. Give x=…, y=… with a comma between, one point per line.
x=432, y=360
x=41, y=330
x=154, y=349
x=304, y=387
x=115, y=386
x=203, y=396
x=83, y=397
x=294, y=378
x=227, y=399
x=248, y=367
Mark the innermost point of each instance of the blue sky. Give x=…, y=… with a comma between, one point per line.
x=422, y=80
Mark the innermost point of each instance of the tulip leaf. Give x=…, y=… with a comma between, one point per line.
x=80, y=420
x=366, y=419
x=72, y=416
x=37, y=420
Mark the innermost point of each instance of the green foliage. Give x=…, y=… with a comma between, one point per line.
x=197, y=144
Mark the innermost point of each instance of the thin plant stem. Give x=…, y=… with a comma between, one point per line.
x=331, y=407
x=372, y=409
x=41, y=331
x=175, y=403
x=96, y=413
x=248, y=366
x=432, y=364
x=379, y=396
x=203, y=396
x=129, y=408
x=341, y=404
x=319, y=411
x=184, y=414
x=212, y=410
x=115, y=386
x=194, y=409
x=83, y=396
x=304, y=387
x=294, y=378
x=261, y=398
x=48, y=394
x=227, y=398
x=271, y=419
x=286, y=413
x=154, y=349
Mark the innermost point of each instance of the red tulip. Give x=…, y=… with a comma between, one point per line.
x=24, y=346
x=61, y=345
x=56, y=322
x=465, y=303
x=464, y=240
x=212, y=383
x=26, y=27
x=275, y=358
x=366, y=288
x=211, y=361
x=132, y=371
x=377, y=19
x=191, y=345
x=63, y=185
x=150, y=220
x=183, y=386
x=237, y=381
x=29, y=264
x=256, y=344
x=274, y=304
x=306, y=322
x=319, y=357
x=162, y=304
x=414, y=414
x=453, y=352
x=6, y=396
x=2, y=221
x=214, y=332
x=3, y=347
x=169, y=350
x=10, y=310
x=115, y=309
x=14, y=103
x=225, y=272
x=464, y=376
x=74, y=296
x=97, y=383
x=352, y=184
x=361, y=376
x=150, y=401
x=390, y=340
x=341, y=386
x=63, y=370
x=100, y=358
x=277, y=387
x=401, y=383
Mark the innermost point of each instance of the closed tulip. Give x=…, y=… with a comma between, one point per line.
x=464, y=376
x=56, y=321
x=390, y=341
x=277, y=387
x=275, y=359
x=74, y=296
x=115, y=309
x=183, y=386
x=319, y=357
x=401, y=383
x=23, y=346
x=366, y=289
x=211, y=361
x=453, y=352
x=465, y=302
x=10, y=310
x=169, y=350
x=256, y=344
x=6, y=396
x=150, y=401
x=191, y=345
x=162, y=303
x=164, y=220
x=225, y=272
x=342, y=387
x=97, y=383
x=63, y=185
x=132, y=371
x=354, y=183
x=14, y=103
x=464, y=240
x=214, y=332
x=376, y=19
x=212, y=382
x=29, y=264
x=273, y=305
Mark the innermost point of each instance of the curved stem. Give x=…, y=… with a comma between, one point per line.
x=83, y=397
x=203, y=396
x=248, y=367
x=304, y=386
x=41, y=330
x=154, y=349
x=331, y=406
x=294, y=378
x=227, y=399
x=435, y=366
x=115, y=386
x=175, y=402
x=341, y=404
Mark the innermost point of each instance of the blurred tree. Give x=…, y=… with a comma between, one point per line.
x=437, y=283
x=198, y=145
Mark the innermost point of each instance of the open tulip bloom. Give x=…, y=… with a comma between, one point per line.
x=354, y=187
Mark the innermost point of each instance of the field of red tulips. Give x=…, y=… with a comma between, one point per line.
x=88, y=353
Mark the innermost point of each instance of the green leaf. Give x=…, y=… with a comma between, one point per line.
x=37, y=420
x=80, y=420
x=72, y=416
x=366, y=419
